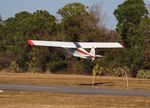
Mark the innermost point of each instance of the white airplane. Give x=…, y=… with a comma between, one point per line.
x=77, y=49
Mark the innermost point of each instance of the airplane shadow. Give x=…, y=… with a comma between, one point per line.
x=98, y=84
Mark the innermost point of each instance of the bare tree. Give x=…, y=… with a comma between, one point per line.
x=0, y=18
x=99, y=14
x=148, y=7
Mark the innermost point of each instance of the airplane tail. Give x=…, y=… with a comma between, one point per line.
x=93, y=53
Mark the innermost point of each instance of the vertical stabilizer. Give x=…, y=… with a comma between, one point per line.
x=92, y=52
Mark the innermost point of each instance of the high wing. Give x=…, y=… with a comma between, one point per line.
x=75, y=44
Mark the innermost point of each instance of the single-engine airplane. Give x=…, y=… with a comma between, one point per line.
x=77, y=49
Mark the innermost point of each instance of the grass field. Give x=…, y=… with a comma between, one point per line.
x=21, y=99
x=73, y=80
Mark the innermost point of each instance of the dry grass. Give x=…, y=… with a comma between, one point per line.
x=72, y=80
x=21, y=99
x=16, y=99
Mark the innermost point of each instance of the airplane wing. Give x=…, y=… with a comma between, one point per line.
x=75, y=44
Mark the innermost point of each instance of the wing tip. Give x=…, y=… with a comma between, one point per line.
x=30, y=42
x=122, y=44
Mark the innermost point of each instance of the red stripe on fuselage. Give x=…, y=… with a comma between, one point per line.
x=85, y=53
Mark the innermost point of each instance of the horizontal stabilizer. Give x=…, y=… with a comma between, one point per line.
x=99, y=56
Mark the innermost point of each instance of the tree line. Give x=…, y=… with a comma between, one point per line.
x=78, y=23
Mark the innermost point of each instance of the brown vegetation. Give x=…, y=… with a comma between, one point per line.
x=17, y=99
x=73, y=80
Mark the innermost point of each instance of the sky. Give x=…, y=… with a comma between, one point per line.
x=8, y=8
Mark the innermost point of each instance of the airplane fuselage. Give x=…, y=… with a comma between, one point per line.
x=80, y=52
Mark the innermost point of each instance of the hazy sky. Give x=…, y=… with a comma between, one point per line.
x=9, y=8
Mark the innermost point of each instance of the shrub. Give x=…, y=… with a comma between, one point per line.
x=13, y=67
x=144, y=74
x=120, y=71
x=98, y=70
x=88, y=66
x=33, y=67
x=57, y=66
x=22, y=65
